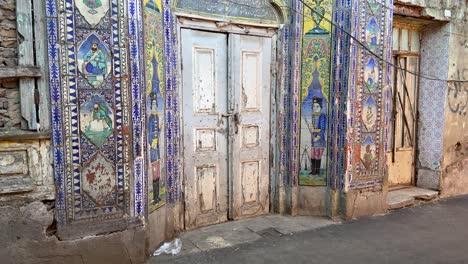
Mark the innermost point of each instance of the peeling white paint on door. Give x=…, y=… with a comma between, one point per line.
x=204, y=74
x=250, y=76
x=216, y=179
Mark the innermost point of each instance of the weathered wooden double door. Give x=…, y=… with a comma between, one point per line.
x=226, y=116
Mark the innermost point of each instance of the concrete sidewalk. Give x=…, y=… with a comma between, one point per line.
x=234, y=233
x=428, y=233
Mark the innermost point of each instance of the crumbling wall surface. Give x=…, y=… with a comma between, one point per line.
x=312, y=200
x=455, y=159
x=10, y=115
x=27, y=226
x=361, y=202
x=28, y=237
x=434, y=9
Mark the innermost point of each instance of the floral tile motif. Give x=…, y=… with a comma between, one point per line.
x=434, y=62
x=98, y=178
x=92, y=10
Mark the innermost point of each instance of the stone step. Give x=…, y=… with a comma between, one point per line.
x=396, y=200
x=409, y=196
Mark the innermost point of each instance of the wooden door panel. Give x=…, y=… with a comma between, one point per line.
x=250, y=84
x=401, y=154
x=204, y=79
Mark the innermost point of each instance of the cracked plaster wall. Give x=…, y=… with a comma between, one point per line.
x=442, y=140
x=360, y=202
x=29, y=238
x=454, y=180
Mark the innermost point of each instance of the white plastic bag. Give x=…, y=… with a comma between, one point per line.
x=174, y=247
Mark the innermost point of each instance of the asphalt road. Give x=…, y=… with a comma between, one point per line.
x=431, y=233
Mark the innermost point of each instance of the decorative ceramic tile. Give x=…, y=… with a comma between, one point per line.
x=295, y=94
x=339, y=93
x=434, y=62
x=155, y=100
x=138, y=115
x=96, y=120
x=89, y=102
x=94, y=60
x=92, y=10
x=283, y=127
x=367, y=112
x=315, y=92
x=243, y=10
x=170, y=71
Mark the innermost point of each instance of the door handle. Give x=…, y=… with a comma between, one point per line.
x=235, y=117
x=236, y=123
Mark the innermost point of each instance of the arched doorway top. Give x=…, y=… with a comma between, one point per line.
x=258, y=11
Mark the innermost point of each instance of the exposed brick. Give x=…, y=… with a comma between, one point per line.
x=10, y=33
x=9, y=84
x=7, y=52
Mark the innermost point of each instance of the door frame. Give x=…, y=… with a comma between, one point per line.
x=397, y=54
x=195, y=22
x=414, y=115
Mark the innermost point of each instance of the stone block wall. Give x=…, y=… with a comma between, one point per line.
x=10, y=115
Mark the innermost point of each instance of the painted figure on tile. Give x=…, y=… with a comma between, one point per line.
x=314, y=129
x=96, y=120
x=94, y=60
x=154, y=127
x=369, y=113
x=371, y=75
x=319, y=126
x=314, y=91
x=101, y=117
x=368, y=157
x=154, y=132
x=154, y=59
x=372, y=34
x=93, y=4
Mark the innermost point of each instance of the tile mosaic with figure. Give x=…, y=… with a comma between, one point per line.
x=94, y=60
x=368, y=159
x=95, y=110
x=97, y=120
x=154, y=66
x=315, y=89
